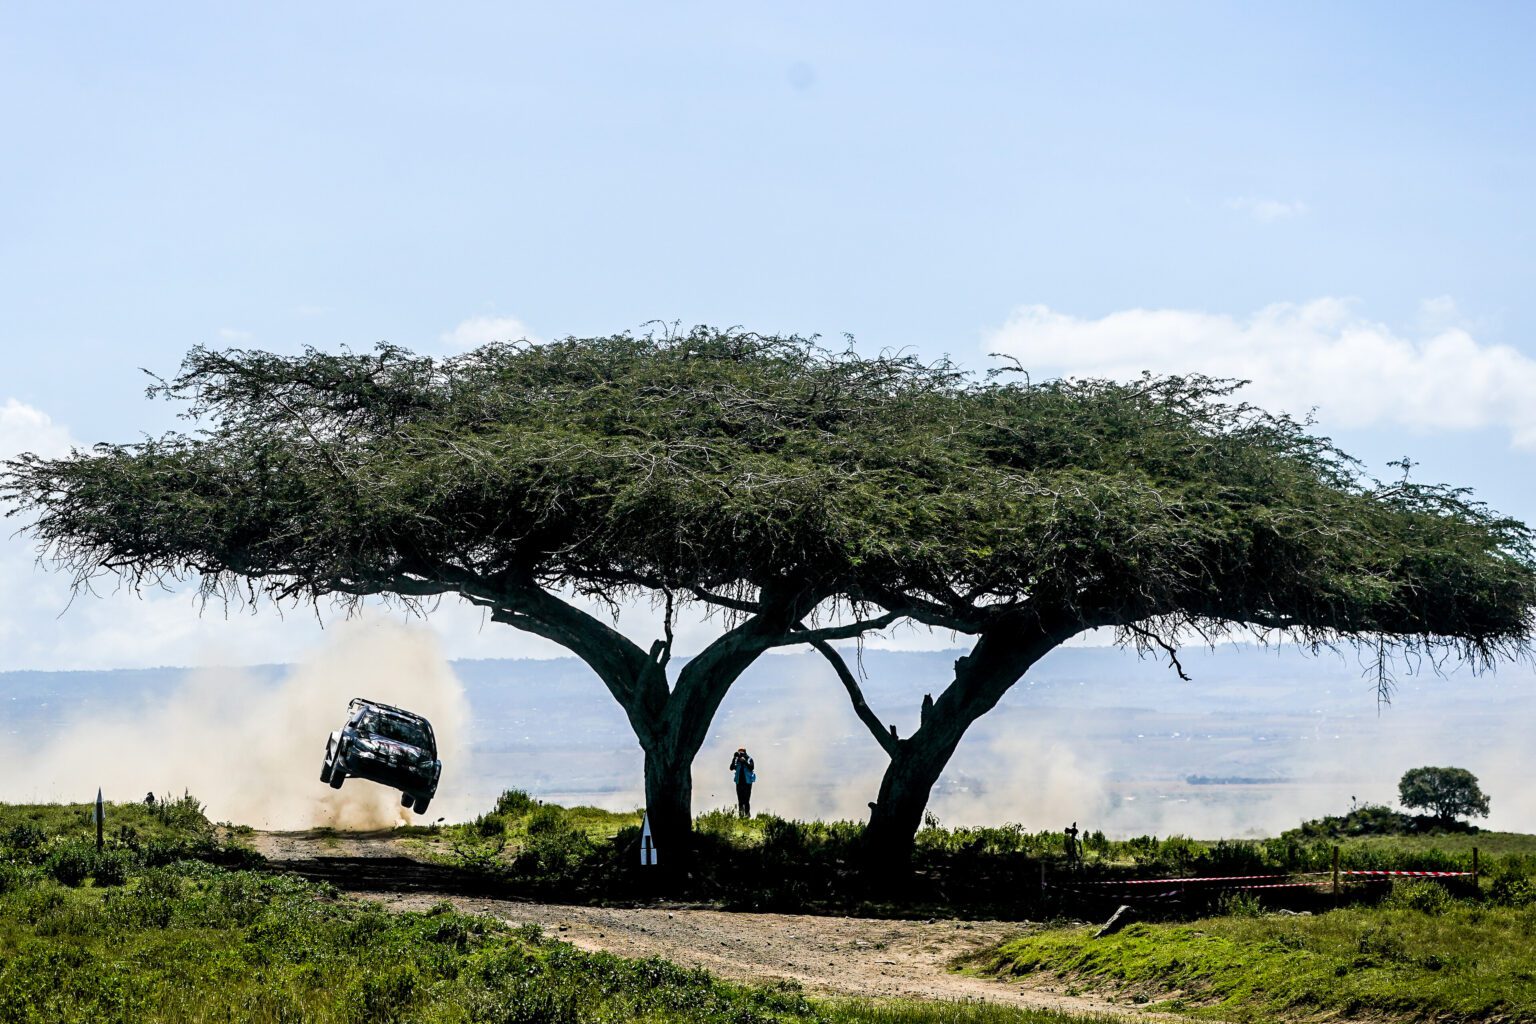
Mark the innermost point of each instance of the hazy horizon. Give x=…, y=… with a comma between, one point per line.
x=1259, y=740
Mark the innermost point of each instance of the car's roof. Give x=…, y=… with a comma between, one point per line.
x=357, y=702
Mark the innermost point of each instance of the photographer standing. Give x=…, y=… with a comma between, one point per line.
x=743, y=771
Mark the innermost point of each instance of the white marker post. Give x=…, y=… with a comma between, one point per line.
x=100, y=816
x=647, y=844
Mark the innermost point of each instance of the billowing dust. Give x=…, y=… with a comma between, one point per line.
x=251, y=750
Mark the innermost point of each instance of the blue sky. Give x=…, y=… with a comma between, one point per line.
x=1335, y=200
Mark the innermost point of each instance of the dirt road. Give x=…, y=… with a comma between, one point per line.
x=838, y=956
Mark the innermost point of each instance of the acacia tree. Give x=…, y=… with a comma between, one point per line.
x=1162, y=509
x=1446, y=793
x=771, y=480
x=747, y=474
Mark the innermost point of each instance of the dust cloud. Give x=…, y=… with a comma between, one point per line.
x=814, y=758
x=250, y=749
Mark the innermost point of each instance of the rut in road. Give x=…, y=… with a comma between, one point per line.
x=870, y=958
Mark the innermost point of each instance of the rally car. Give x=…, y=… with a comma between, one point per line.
x=387, y=745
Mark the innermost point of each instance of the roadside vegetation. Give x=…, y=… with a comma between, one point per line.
x=175, y=920
x=1420, y=954
x=170, y=923
x=770, y=863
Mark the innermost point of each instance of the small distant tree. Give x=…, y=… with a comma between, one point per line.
x=1446, y=793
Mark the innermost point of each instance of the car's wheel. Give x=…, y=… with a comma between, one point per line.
x=338, y=773
x=325, y=770
x=421, y=804
x=406, y=799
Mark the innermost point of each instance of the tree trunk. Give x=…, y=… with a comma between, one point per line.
x=999, y=659
x=898, y=813
x=669, y=802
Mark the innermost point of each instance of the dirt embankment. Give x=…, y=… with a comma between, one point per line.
x=837, y=956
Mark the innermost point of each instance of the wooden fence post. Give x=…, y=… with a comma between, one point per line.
x=1475, y=875
x=1335, y=873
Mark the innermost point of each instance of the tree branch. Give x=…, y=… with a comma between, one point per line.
x=931, y=613
x=871, y=721
x=634, y=679
x=802, y=635
x=733, y=603
x=1151, y=637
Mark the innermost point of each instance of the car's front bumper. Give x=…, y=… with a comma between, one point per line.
x=405, y=777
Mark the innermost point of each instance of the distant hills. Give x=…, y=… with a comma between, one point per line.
x=1258, y=739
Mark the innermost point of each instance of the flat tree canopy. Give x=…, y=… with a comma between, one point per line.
x=1164, y=509
x=771, y=478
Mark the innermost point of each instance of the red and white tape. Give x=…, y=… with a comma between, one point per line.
x=1182, y=881
x=1408, y=874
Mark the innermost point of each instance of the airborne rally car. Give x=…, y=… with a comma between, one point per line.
x=387, y=745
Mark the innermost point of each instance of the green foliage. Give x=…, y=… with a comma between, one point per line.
x=770, y=863
x=58, y=841
x=514, y=803
x=1239, y=904
x=195, y=943
x=1365, y=820
x=1513, y=891
x=1447, y=793
x=1419, y=957
x=1422, y=895
x=488, y=825
x=718, y=462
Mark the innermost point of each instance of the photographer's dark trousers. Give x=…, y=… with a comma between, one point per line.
x=744, y=798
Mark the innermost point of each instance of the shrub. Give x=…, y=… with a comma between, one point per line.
x=1513, y=891
x=554, y=848
x=15, y=875
x=71, y=861
x=514, y=803
x=111, y=866
x=488, y=825
x=25, y=837
x=1239, y=904
x=1415, y=894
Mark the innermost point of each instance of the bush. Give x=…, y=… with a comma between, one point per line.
x=554, y=848
x=1365, y=820
x=70, y=862
x=1239, y=904
x=111, y=866
x=1513, y=892
x=514, y=803
x=15, y=875
x=25, y=837
x=1416, y=894
x=487, y=825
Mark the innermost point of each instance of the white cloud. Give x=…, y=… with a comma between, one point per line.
x=1319, y=354
x=1266, y=211
x=482, y=330
x=230, y=334
x=25, y=429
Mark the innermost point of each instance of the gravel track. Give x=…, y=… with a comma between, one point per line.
x=870, y=958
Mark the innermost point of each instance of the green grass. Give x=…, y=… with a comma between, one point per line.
x=772, y=864
x=1421, y=955
x=171, y=819
x=192, y=942
x=1489, y=844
